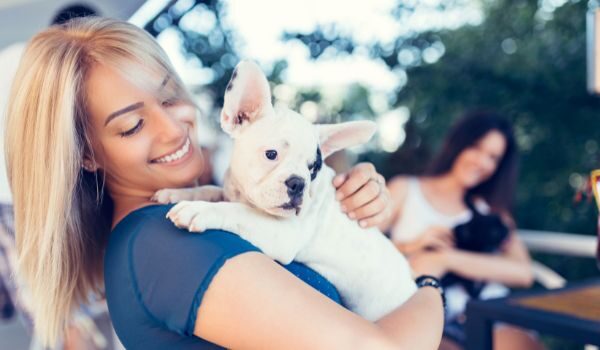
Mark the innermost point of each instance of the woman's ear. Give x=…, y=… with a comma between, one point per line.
x=89, y=165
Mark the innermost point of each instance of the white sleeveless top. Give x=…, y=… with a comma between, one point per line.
x=418, y=215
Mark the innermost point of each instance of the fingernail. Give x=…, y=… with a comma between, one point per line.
x=352, y=216
x=362, y=223
x=338, y=180
x=343, y=207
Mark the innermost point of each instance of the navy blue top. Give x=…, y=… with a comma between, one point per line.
x=156, y=274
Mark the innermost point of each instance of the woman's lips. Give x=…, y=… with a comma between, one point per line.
x=175, y=155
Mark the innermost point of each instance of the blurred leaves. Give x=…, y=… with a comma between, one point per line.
x=526, y=60
x=204, y=37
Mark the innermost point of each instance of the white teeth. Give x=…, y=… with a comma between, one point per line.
x=177, y=154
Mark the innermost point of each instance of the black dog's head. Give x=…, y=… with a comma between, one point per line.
x=484, y=233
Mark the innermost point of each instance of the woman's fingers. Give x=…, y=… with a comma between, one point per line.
x=356, y=178
x=374, y=220
x=436, y=240
x=372, y=208
x=440, y=230
x=362, y=197
x=440, y=243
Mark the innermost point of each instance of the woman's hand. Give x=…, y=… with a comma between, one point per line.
x=433, y=263
x=363, y=195
x=435, y=237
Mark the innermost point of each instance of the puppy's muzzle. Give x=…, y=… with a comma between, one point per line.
x=295, y=187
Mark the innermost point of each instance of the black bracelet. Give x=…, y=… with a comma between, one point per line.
x=430, y=281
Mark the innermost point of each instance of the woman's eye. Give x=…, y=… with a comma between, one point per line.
x=271, y=154
x=169, y=102
x=133, y=130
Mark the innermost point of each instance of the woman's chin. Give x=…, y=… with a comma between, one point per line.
x=471, y=181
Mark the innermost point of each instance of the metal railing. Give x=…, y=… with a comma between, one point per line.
x=558, y=243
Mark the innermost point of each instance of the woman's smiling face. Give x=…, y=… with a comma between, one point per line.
x=141, y=142
x=479, y=162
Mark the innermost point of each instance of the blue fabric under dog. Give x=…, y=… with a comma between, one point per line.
x=156, y=276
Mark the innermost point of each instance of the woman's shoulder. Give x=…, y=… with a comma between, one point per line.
x=399, y=187
x=146, y=241
x=148, y=228
x=399, y=183
x=161, y=272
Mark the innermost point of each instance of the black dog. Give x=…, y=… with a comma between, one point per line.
x=482, y=234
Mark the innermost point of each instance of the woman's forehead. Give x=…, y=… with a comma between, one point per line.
x=108, y=88
x=132, y=75
x=493, y=140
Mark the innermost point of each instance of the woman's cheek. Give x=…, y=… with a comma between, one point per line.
x=184, y=113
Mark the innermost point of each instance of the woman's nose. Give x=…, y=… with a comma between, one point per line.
x=168, y=126
x=487, y=163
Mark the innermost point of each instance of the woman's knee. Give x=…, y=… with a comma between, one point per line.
x=513, y=338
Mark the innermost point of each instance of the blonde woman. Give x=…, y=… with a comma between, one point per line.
x=98, y=121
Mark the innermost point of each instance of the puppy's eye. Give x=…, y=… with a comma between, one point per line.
x=271, y=154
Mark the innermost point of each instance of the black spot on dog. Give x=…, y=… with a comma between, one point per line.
x=230, y=84
x=316, y=166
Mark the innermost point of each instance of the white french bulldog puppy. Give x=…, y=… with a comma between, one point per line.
x=280, y=198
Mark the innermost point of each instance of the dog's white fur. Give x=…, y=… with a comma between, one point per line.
x=371, y=276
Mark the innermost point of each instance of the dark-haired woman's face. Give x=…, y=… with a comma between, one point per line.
x=478, y=163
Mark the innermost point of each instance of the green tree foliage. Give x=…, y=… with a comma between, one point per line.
x=213, y=46
x=533, y=71
x=526, y=60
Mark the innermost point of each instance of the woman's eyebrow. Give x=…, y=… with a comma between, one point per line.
x=165, y=81
x=123, y=111
x=134, y=106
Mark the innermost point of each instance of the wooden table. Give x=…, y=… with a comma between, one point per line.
x=572, y=312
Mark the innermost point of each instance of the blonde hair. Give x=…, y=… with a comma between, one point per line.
x=62, y=215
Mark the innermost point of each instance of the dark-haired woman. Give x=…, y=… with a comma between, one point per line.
x=476, y=170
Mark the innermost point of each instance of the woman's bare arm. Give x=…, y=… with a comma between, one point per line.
x=512, y=267
x=253, y=303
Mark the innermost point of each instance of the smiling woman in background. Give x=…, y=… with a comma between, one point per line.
x=98, y=122
x=470, y=187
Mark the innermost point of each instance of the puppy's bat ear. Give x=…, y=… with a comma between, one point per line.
x=334, y=137
x=247, y=98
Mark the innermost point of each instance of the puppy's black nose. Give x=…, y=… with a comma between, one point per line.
x=295, y=185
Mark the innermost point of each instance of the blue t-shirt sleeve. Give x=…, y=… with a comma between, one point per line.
x=172, y=268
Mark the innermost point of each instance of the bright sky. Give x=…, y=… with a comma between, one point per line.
x=260, y=24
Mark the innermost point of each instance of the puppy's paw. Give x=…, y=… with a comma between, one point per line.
x=171, y=195
x=196, y=216
x=208, y=193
